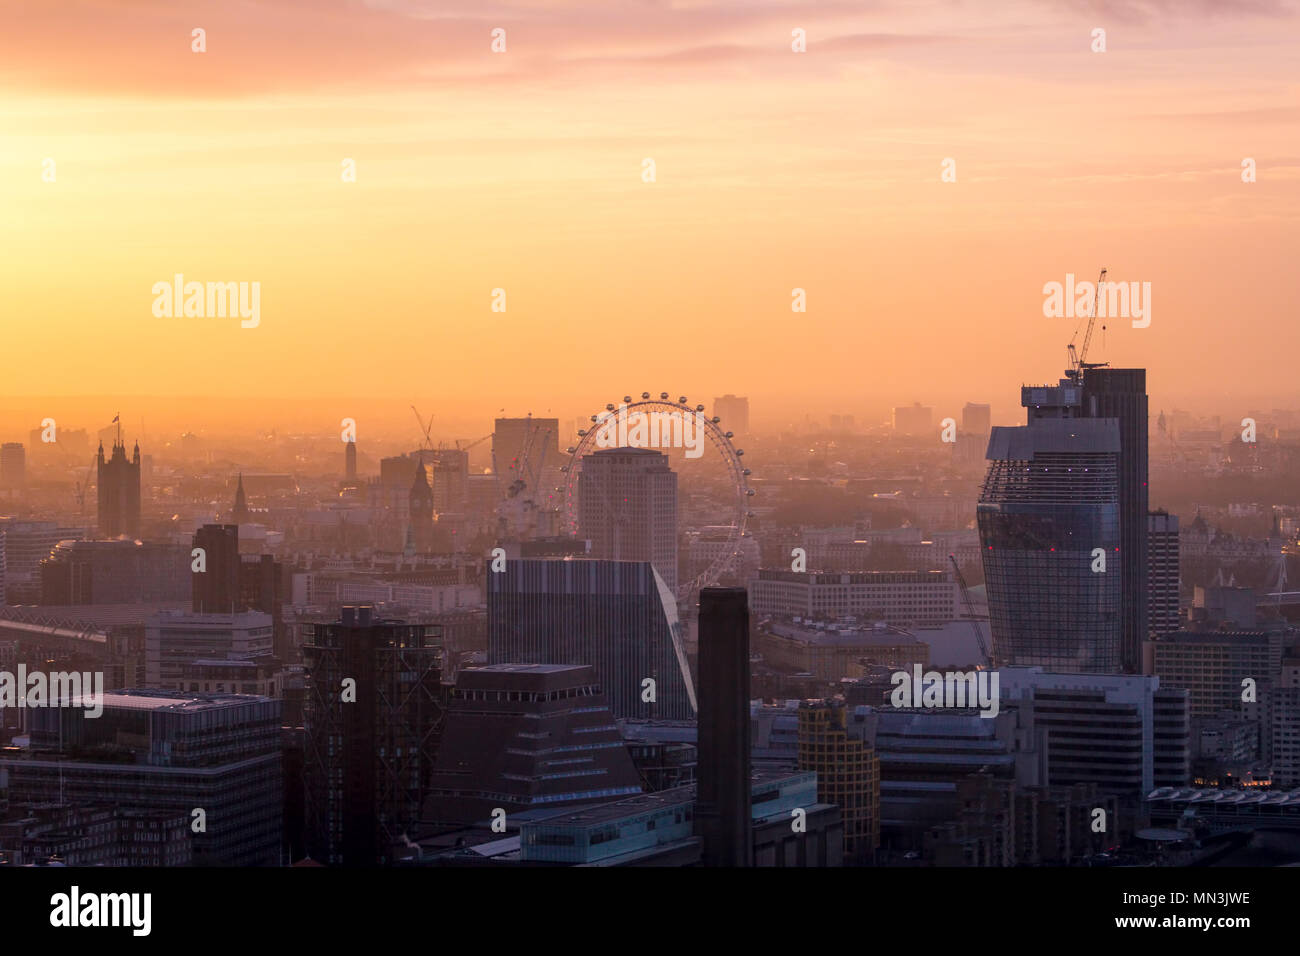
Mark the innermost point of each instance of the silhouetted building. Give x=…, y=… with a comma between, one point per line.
x=123, y=571
x=525, y=737
x=976, y=419
x=617, y=616
x=234, y=582
x=118, y=481
x=449, y=476
x=420, y=514
x=1162, y=573
x=1120, y=394
x=912, y=420
x=13, y=465
x=350, y=461
x=239, y=513
x=733, y=410
x=215, y=589
x=723, y=812
x=373, y=713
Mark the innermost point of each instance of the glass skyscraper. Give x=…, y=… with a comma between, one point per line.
x=1049, y=524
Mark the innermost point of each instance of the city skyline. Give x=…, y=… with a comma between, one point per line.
x=674, y=435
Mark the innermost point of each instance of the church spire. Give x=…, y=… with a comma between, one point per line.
x=241, y=502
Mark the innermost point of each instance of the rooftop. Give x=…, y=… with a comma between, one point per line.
x=174, y=700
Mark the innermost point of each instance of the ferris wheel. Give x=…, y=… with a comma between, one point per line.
x=616, y=416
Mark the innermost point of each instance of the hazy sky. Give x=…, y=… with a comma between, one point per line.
x=522, y=171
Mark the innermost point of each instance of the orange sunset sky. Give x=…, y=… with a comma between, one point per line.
x=522, y=170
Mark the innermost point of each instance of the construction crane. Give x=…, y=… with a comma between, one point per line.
x=476, y=441
x=425, y=427
x=970, y=611
x=1077, y=362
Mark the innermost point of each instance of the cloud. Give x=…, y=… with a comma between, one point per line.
x=143, y=47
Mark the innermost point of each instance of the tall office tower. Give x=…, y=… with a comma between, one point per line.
x=627, y=508
x=723, y=813
x=526, y=450
x=119, y=491
x=13, y=465
x=734, y=412
x=350, y=460
x=527, y=737
x=848, y=772
x=1162, y=573
x=3, y=565
x=617, y=616
x=976, y=419
x=215, y=589
x=164, y=750
x=239, y=513
x=1048, y=515
x=1120, y=393
x=912, y=419
x=420, y=510
x=373, y=712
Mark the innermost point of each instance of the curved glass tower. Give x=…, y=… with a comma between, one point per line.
x=1050, y=500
